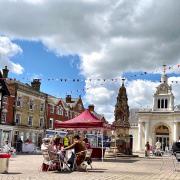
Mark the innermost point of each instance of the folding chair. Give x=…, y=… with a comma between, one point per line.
x=50, y=160
x=63, y=160
x=84, y=159
x=88, y=157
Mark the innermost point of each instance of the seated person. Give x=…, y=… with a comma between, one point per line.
x=47, y=146
x=58, y=142
x=87, y=144
x=79, y=148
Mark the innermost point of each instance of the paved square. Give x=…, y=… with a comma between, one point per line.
x=27, y=167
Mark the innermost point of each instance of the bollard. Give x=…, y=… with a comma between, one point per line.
x=4, y=162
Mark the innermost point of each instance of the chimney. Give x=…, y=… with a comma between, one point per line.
x=5, y=72
x=91, y=107
x=68, y=99
x=36, y=84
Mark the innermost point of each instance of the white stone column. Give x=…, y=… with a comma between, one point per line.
x=139, y=136
x=175, y=132
x=146, y=132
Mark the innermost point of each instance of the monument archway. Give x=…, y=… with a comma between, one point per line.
x=162, y=135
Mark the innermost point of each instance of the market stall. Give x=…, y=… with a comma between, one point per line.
x=86, y=120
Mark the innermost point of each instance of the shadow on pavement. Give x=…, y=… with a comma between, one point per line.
x=13, y=173
x=62, y=172
x=118, y=160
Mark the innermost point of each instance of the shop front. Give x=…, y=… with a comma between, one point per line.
x=5, y=134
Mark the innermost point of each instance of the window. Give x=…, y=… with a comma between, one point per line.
x=66, y=113
x=42, y=107
x=51, y=109
x=166, y=103
x=80, y=107
x=17, y=119
x=30, y=121
x=70, y=114
x=31, y=104
x=162, y=103
x=4, y=99
x=51, y=122
x=59, y=110
x=19, y=101
x=41, y=123
x=158, y=103
x=3, y=117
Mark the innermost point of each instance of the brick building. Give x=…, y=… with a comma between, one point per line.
x=5, y=129
x=26, y=111
x=62, y=109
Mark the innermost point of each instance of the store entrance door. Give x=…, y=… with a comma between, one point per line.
x=162, y=135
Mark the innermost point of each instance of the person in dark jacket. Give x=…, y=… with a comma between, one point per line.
x=19, y=145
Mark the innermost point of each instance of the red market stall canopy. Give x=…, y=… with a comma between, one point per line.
x=85, y=120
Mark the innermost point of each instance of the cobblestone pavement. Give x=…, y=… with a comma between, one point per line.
x=27, y=167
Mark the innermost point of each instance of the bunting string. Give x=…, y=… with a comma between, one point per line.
x=137, y=75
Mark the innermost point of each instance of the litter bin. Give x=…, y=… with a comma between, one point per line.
x=4, y=162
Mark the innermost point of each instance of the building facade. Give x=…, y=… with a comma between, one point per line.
x=5, y=129
x=62, y=109
x=27, y=111
x=161, y=123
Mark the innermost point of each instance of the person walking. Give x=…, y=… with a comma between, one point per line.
x=147, y=149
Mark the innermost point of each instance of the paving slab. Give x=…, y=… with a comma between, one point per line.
x=28, y=167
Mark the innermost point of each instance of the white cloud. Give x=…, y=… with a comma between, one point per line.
x=140, y=93
x=9, y=49
x=110, y=36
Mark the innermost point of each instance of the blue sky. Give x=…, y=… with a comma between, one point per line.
x=39, y=62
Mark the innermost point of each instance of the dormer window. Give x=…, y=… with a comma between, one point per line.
x=59, y=110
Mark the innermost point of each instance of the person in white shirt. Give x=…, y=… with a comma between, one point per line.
x=179, y=139
x=158, y=145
